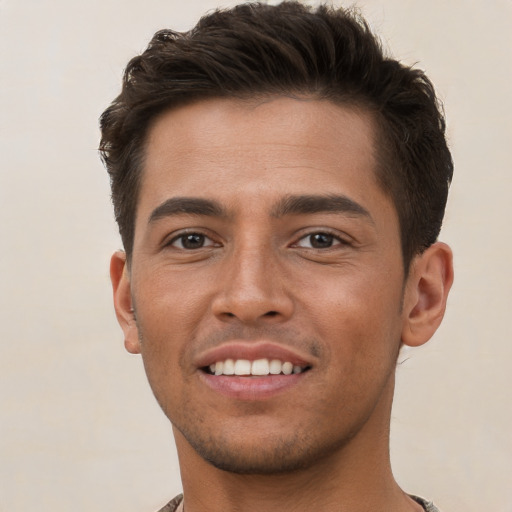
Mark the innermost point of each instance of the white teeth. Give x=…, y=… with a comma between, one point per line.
x=259, y=367
x=229, y=367
x=287, y=368
x=219, y=367
x=275, y=367
x=242, y=367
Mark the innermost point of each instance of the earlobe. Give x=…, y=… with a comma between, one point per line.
x=429, y=282
x=120, y=279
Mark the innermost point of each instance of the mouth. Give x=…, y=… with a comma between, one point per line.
x=252, y=371
x=255, y=368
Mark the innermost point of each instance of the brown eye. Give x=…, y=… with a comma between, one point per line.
x=191, y=241
x=321, y=240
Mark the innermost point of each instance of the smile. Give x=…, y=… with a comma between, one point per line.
x=258, y=367
x=253, y=370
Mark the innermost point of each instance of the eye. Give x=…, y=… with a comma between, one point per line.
x=191, y=241
x=320, y=240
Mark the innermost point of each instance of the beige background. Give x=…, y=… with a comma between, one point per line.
x=79, y=429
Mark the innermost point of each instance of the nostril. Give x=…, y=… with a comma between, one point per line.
x=271, y=313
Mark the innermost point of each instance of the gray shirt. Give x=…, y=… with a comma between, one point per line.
x=174, y=505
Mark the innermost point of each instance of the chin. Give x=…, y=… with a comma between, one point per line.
x=267, y=456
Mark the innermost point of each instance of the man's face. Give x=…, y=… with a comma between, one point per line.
x=262, y=235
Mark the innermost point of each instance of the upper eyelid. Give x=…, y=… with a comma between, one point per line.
x=337, y=242
x=173, y=237
x=342, y=237
x=300, y=235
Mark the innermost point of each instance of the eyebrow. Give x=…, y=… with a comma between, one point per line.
x=187, y=206
x=289, y=205
x=308, y=204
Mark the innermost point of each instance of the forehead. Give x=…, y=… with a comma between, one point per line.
x=259, y=145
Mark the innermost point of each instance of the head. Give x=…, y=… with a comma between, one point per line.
x=279, y=186
x=258, y=51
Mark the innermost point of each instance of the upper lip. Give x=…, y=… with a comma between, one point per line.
x=252, y=351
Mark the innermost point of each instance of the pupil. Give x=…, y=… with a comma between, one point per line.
x=193, y=241
x=321, y=240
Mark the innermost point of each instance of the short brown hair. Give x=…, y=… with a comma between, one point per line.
x=289, y=49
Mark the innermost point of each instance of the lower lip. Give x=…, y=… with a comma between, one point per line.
x=251, y=388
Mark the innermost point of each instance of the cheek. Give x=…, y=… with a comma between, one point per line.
x=168, y=316
x=357, y=316
x=169, y=303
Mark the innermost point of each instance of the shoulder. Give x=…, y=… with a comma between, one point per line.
x=173, y=505
x=427, y=505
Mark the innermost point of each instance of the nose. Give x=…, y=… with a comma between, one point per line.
x=251, y=288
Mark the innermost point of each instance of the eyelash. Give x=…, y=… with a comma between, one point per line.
x=183, y=236
x=335, y=240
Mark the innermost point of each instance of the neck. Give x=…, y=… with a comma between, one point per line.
x=355, y=478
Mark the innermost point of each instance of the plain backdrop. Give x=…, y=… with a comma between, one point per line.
x=79, y=428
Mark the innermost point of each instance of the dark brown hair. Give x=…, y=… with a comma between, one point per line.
x=290, y=49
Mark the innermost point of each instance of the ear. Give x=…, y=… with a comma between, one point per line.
x=120, y=277
x=429, y=281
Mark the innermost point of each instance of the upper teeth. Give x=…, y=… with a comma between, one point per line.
x=257, y=367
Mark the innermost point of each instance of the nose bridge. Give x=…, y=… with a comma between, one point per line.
x=253, y=267
x=252, y=286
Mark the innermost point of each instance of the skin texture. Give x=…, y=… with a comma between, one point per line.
x=256, y=276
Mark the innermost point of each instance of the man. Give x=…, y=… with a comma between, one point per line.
x=279, y=186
